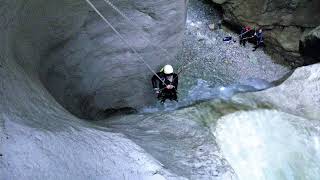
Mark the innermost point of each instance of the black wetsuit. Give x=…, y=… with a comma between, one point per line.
x=245, y=34
x=259, y=41
x=164, y=92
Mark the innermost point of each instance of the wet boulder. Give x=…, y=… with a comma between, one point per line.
x=298, y=95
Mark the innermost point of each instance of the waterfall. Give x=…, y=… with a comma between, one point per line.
x=267, y=144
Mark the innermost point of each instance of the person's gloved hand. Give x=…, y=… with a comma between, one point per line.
x=170, y=86
x=156, y=90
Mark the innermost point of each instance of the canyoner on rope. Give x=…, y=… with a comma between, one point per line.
x=168, y=86
x=122, y=38
x=165, y=82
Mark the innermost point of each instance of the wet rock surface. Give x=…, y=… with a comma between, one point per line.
x=298, y=95
x=94, y=69
x=178, y=140
x=271, y=143
x=40, y=139
x=284, y=21
x=275, y=132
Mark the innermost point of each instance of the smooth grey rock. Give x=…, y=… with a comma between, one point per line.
x=298, y=95
x=81, y=61
x=94, y=70
x=42, y=140
x=178, y=139
x=39, y=139
x=269, y=144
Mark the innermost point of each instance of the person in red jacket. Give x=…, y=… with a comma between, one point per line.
x=245, y=34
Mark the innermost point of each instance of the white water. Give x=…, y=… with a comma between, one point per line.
x=270, y=145
x=203, y=91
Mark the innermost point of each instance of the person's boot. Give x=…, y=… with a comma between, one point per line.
x=255, y=48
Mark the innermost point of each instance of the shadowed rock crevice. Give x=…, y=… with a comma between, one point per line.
x=310, y=45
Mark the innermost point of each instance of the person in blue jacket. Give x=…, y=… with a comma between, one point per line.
x=259, y=40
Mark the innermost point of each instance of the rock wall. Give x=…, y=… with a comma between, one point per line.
x=94, y=70
x=40, y=139
x=285, y=22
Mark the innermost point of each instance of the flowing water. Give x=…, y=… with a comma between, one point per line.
x=216, y=69
x=220, y=139
x=204, y=136
x=267, y=144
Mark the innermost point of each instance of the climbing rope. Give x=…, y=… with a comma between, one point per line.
x=123, y=39
x=183, y=67
x=245, y=32
x=134, y=25
x=168, y=56
x=145, y=38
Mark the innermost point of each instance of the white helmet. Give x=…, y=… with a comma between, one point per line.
x=167, y=69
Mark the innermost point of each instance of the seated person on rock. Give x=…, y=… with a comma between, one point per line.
x=167, y=87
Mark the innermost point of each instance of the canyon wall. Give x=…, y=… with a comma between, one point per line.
x=285, y=23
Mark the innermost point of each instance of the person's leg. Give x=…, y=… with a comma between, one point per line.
x=241, y=40
x=162, y=100
x=161, y=97
x=166, y=94
x=256, y=47
x=175, y=97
